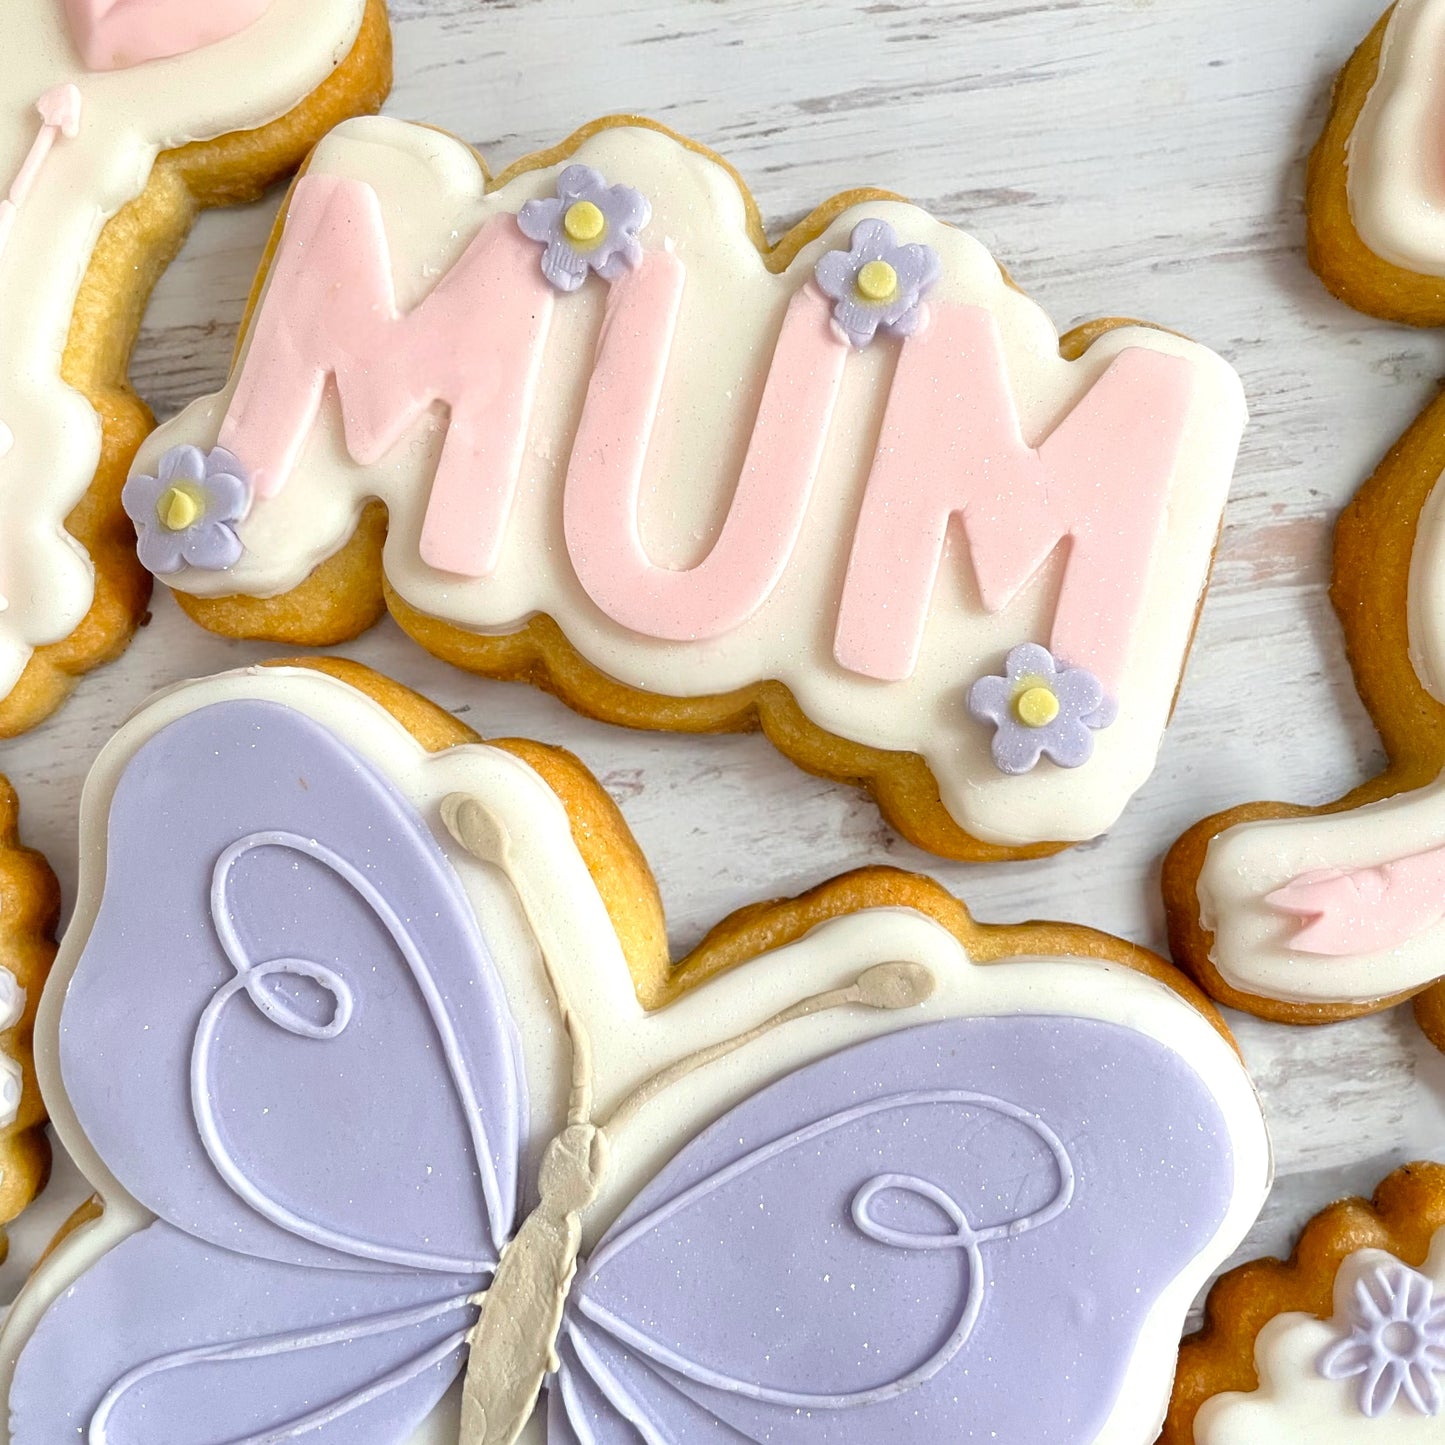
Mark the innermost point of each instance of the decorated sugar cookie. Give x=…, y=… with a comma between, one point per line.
x=408, y=1131
x=1306, y=915
x=582, y=426
x=122, y=118
x=1342, y=1345
x=29, y=905
x=1376, y=222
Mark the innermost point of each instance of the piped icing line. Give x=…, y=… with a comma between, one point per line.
x=691, y=465
x=537, y=872
x=60, y=111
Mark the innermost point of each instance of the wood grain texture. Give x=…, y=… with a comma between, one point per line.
x=1140, y=157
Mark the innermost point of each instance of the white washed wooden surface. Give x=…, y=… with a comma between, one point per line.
x=1140, y=157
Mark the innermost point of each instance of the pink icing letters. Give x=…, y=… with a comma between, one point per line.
x=951, y=444
x=604, y=476
x=475, y=343
x=1365, y=910
x=114, y=34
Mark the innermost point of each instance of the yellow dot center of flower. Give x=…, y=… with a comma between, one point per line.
x=1036, y=706
x=877, y=281
x=179, y=507
x=584, y=223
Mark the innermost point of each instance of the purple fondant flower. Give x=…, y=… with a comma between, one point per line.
x=1039, y=707
x=187, y=512
x=588, y=225
x=877, y=283
x=1396, y=1342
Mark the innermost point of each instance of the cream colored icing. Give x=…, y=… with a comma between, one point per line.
x=630, y=1045
x=432, y=197
x=1396, y=186
x=128, y=116
x=1252, y=940
x=1294, y=1402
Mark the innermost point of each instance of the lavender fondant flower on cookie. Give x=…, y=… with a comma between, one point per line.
x=1039, y=707
x=878, y=283
x=1396, y=1343
x=587, y=226
x=186, y=513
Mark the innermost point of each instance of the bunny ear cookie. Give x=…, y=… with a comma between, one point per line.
x=1310, y=914
x=1344, y=1343
x=583, y=426
x=408, y=1130
x=123, y=118
x=1376, y=189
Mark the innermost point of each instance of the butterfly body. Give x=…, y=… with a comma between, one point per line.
x=513, y=1347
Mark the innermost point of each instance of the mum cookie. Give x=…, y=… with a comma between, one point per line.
x=1306, y=915
x=408, y=1131
x=584, y=427
x=29, y=907
x=1345, y=1342
x=122, y=120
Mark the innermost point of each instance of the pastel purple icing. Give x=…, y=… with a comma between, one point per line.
x=1080, y=1164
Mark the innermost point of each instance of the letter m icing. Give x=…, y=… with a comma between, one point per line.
x=330, y=313
x=951, y=445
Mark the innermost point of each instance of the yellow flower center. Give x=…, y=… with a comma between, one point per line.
x=180, y=506
x=584, y=223
x=877, y=282
x=1036, y=706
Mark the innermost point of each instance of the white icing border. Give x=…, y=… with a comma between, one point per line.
x=630, y=1045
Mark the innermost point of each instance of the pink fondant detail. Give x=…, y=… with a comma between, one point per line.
x=1365, y=910
x=60, y=109
x=604, y=477
x=114, y=34
x=475, y=343
x=951, y=445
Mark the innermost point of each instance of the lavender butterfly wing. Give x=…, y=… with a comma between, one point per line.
x=302, y=1062
x=233, y=1349
x=258, y=868
x=879, y=1237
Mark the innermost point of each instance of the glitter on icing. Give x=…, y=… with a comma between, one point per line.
x=187, y=512
x=878, y=283
x=1038, y=708
x=587, y=226
x=1395, y=1344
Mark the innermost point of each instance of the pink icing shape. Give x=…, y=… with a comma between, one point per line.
x=604, y=476
x=475, y=343
x=1365, y=910
x=114, y=34
x=951, y=444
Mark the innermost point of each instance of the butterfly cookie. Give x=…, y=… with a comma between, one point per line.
x=583, y=426
x=122, y=120
x=408, y=1131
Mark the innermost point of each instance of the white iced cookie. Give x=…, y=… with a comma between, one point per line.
x=696, y=484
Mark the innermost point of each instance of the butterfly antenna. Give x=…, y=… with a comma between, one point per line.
x=885, y=986
x=478, y=829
